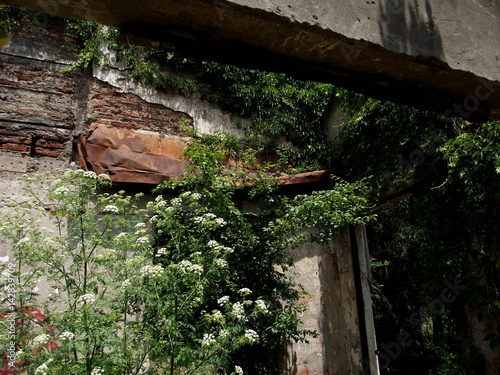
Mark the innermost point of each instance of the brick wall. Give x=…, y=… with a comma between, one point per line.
x=126, y=110
x=43, y=108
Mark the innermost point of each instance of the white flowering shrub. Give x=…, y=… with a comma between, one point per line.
x=87, y=267
x=232, y=306
x=190, y=285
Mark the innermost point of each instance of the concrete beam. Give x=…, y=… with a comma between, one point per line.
x=441, y=55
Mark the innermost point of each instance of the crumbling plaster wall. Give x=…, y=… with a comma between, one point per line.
x=43, y=109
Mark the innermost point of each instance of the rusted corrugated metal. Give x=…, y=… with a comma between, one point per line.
x=139, y=156
x=132, y=155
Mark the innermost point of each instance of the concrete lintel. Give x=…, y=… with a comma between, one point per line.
x=439, y=55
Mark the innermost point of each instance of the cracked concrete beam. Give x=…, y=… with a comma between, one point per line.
x=441, y=55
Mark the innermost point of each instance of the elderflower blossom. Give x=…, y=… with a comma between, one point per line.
x=111, y=209
x=143, y=240
x=261, y=305
x=217, y=316
x=162, y=204
x=67, y=336
x=251, y=335
x=104, y=176
x=214, y=245
x=245, y=291
x=97, y=371
x=40, y=340
x=151, y=271
x=160, y=252
x=223, y=300
x=90, y=174
x=210, y=219
x=238, y=370
x=61, y=190
x=239, y=310
x=224, y=333
x=208, y=339
x=43, y=368
x=222, y=263
x=86, y=299
x=187, y=266
x=175, y=202
x=126, y=283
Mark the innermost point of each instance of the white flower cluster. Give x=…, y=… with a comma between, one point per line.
x=224, y=333
x=126, y=283
x=97, y=371
x=40, y=340
x=214, y=245
x=176, y=202
x=161, y=204
x=160, y=252
x=251, y=335
x=67, y=336
x=238, y=370
x=121, y=235
x=43, y=368
x=223, y=300
x=187, y=266
x=143, y=240
x=111, y=209
x=245, y=291
x=61, y=190
x=151, y=271
x=239, y=311
x=210, y=219
x=208, y=339
x=194, y=196
x=217, y=316
x=86, y=299
x=90, y=174
x=261, y=305
x=140, y=226
x=222, y=263
x=104, y=176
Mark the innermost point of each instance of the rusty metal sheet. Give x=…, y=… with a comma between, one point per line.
x=132, y=155
x=307, y=177
x=140, y=156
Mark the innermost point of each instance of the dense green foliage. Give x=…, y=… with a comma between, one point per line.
x=262, y=240
x=438, y=184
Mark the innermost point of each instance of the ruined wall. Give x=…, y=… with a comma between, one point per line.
x=44, y=110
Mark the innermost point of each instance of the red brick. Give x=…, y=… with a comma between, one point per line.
x=12, y=147
x=14, y=140
x=52, y=154
x=43, y=143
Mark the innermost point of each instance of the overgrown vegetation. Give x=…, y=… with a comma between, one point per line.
x=197, y=285
x=438, y=185
x=277, y=111
x=435, y=180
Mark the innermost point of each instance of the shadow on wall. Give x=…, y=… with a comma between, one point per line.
x=408, y=27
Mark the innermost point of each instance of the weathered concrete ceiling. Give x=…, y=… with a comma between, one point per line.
x=440, y=54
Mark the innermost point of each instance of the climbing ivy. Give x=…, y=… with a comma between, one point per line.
x=277, y=111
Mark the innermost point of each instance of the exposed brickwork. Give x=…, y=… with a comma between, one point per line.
x=113, y=108
x=43, y=108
